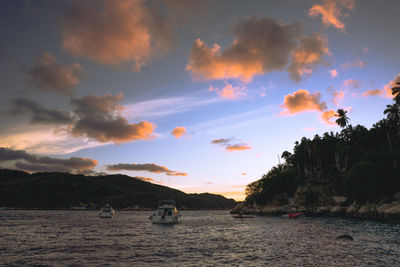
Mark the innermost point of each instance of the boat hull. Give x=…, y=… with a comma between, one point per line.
x=106, y=214
x=166, y=220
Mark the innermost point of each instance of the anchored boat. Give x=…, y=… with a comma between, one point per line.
x=166, y=213
x=107, y=212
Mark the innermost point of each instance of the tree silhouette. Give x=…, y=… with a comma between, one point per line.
x=343, y=119
x=396, y=92
x=393, y=113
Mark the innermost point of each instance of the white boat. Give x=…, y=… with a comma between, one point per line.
x=107, y=212
x=166, y=213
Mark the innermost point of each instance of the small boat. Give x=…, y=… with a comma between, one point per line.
x=241, y=216
x=295, y=215
x=166, y=213
x=107, y=212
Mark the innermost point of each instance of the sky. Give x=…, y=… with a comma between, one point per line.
x=201, y=96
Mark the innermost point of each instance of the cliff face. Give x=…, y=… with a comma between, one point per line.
x=319, y=201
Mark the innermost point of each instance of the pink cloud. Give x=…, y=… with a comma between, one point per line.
x=352, y=84
x=356, y=64
x=338, y=97
x=333, y=73
x=230, y=92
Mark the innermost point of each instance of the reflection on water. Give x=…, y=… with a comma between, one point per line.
x=202, y=238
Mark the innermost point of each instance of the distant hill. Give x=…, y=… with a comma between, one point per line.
x=52, y=190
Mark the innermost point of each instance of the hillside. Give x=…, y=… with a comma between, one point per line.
x=52, y=190
x=355, y=172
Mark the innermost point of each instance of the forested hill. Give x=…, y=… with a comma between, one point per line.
x=52, y=190
x=358, y=165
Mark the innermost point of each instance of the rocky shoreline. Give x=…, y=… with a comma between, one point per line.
x=338, y=207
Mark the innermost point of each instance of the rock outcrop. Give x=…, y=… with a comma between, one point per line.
x=326, y=206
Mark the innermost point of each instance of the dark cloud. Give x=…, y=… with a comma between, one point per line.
x=100, y=118
x=111, y=32
x=97, y=117
x=48, y=75
x=7, y=154
x=262, y=45
x=224, y=142
x=220, y=141
x=35, y=163
x=308, y=54
x=40, y=114
x=149, y=167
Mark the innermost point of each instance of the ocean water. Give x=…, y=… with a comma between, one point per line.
x=203, y=238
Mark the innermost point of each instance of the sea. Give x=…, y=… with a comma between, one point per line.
x=202, y=238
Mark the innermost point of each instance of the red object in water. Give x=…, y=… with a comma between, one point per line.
x=294, y=215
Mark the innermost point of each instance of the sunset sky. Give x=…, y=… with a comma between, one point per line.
x=201, y=96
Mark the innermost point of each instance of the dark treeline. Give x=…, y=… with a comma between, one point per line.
x=358, y=163
x=52, y=190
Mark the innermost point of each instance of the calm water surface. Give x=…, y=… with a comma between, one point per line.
x=203, y=238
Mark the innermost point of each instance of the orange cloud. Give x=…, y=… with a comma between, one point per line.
x=100, y=118
x=386, y=91
x=237, y=147
x=229, y=92
x=333, y=73
x=301, y=101
x=262, y=45
x=352, y=83
x=128, y=32
x=149, y=167
x=331, y=12
x=178, y=132
x=326, y=117
x=48, y=75
x=243, y=173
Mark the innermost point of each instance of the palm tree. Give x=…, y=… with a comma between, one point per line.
x=393, y=112
x=343, y=119
x=396, y=92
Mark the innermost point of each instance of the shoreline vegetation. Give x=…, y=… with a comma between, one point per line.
x=353, y=173
x=65, y=191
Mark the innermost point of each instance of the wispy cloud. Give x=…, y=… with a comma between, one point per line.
x=51, y=141
x=355, y=64
x=162, y=107
x=352, y=84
